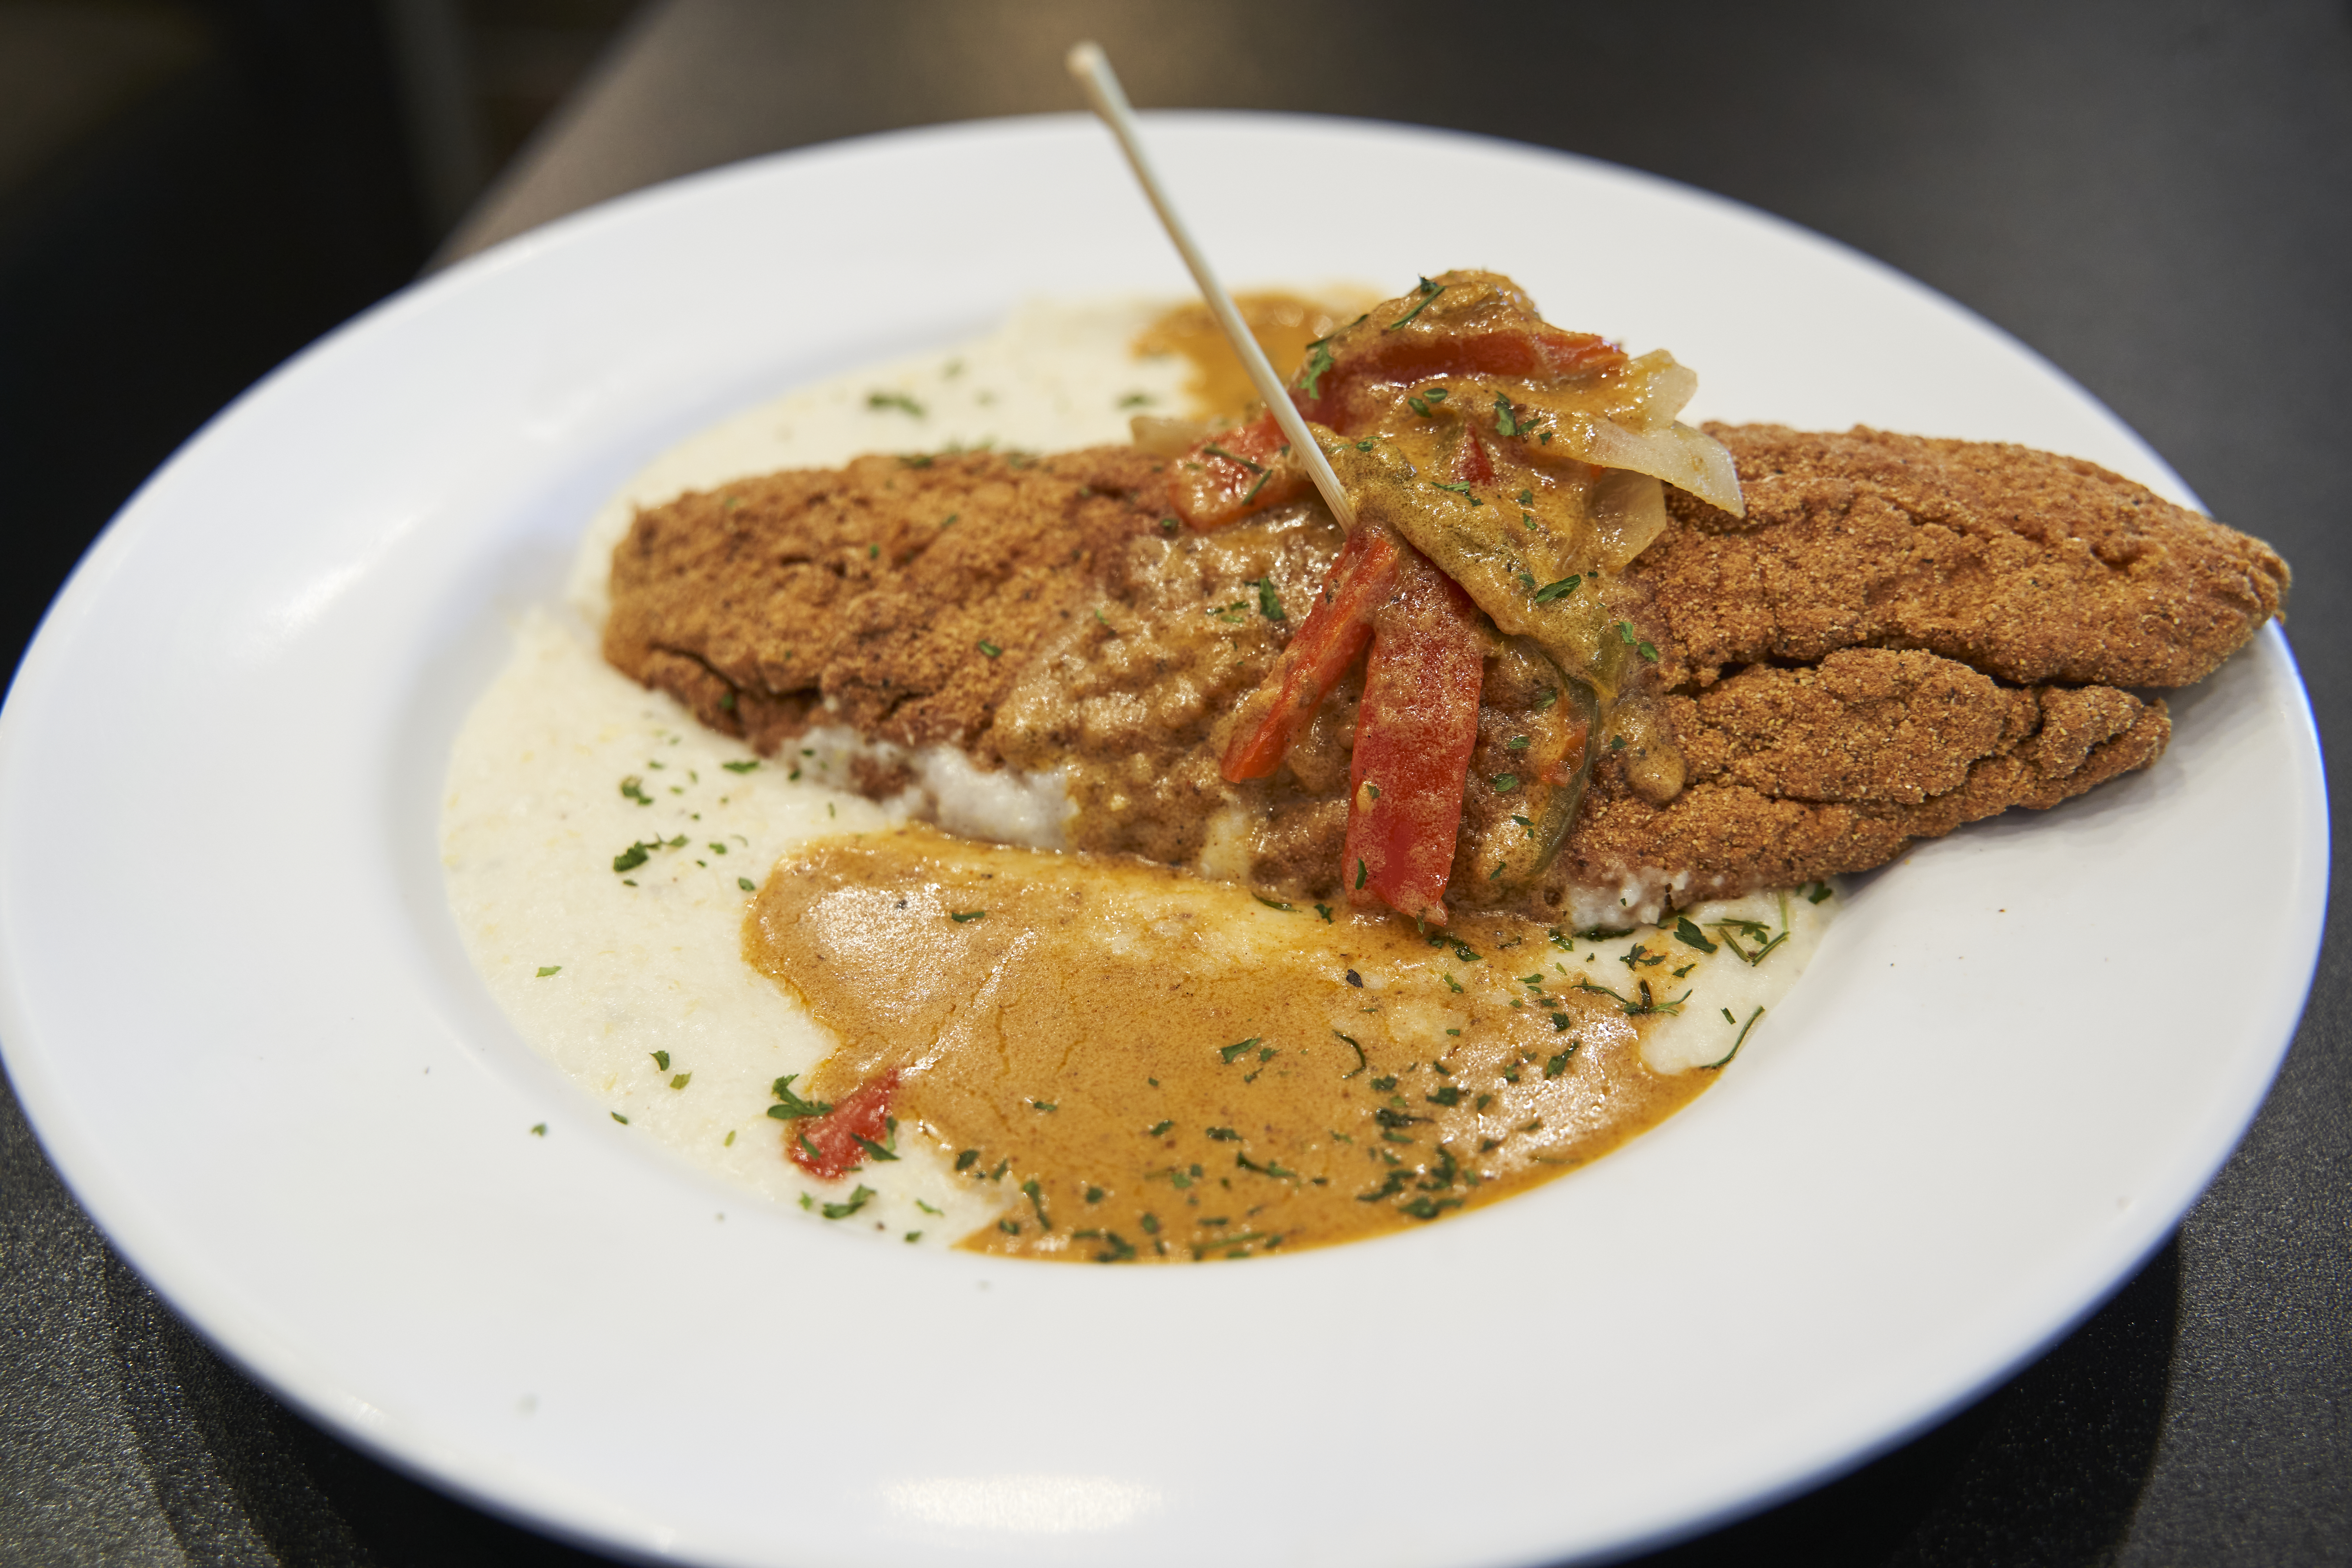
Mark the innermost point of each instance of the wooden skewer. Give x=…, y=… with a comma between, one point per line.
x=1092, y=68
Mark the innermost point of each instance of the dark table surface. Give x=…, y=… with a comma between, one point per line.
x=2156, y=196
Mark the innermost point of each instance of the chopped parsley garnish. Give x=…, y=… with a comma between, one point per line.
x=1428, y=292
x=1158, y=1128
x=965, y=917
x=746, y=884
x=1045, y=1105
x=1558, y=1064
x=966, y=1159
x=990, y=648
x=1229, y=1052
x=539, y=1129
x=1448, y=1096
x=1318, y=361
x=1504, y=425
x=1817, y=892
x=1559, y=590
x=547, y=969
x=1224, y=1134
x=844, y=1210
x=1269, y=603
x=1361, y=1063
x=1324, y=910
x=1689, y=935
x=1275, y=904
x=1505, y=782
x=681, y=1080
x=633, y=788
x=791, y=1107
x=751, y=765
x=1360, y=871
x=661, y=1060
x=898, y=400
x=619, y=1118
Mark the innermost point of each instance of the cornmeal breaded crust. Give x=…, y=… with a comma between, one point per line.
x=1901, y=637
x=869, y=588
x=1797, y=774
x=2027, y=566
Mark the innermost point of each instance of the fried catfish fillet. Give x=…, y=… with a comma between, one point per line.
x=1903, y=635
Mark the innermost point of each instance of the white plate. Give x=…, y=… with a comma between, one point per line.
x=237, y=1012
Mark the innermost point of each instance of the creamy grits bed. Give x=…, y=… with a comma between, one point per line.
x=703, y=937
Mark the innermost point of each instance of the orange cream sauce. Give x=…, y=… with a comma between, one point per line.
x=1283, y=324
x=1147, y=1066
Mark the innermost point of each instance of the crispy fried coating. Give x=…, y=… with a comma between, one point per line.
x=901, y=595
x=2030, y=567
x=1902, y=635
x=1798, y=774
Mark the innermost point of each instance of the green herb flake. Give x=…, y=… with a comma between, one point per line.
x=633, y=788
x=547, y=969
x=1428, y=292
x=1158, y=1128
x=966, y=1159
x=749, y=766
x=538, y=1129
x=1504, y=425
x=1742, y=1040
x=990, y=648
x=1269, y=603
x=746, y=884
x=1817, y=892
x=1275, y=904
x=1045, y=1105
x=898, y=400
x=965, y=917
x=661, y=1060
x=791, y=1107
x=619, y=1118
x=1689, y=935
x=857, y=1200
x=1324, y=910
x=1360, y=871
x=1505, y=782
x=1230, y=1052
x=1450, y=984
x=1559, y=590
x=681, y=1080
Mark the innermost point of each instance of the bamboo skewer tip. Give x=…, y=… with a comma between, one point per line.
x=1092, y=68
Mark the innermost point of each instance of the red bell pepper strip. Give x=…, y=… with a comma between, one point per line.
x=1473, y=464
x=1414, y=741
x=828, y=1146
x=1360, y=385
x=1226, y=477
x=1359, y=581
